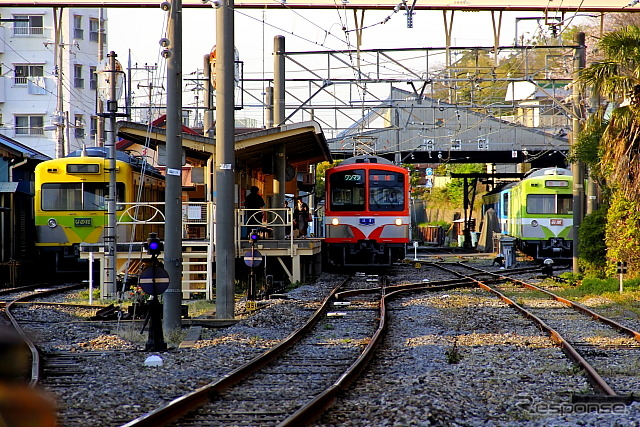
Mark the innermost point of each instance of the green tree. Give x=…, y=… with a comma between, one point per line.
x=452, y=194
x=616, y=78
x=321, y=169
x=592, y=247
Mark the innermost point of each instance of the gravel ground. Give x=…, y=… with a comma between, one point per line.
x=508, y=372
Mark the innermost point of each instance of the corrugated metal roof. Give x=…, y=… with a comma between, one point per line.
x=304, y=142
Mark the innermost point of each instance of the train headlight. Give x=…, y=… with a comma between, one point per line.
x=398, y=221
x=335, y=221
x=534, y=223
x=52, y=223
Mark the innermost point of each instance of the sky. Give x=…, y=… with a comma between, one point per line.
x=304, y=30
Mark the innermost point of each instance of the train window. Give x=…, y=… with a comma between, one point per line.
x=505, y=204
x=549, y=204
x=88, y=196
x=565, y=204
x=347, y=190
x=386, y=191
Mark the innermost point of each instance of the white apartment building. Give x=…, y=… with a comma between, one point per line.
x=48, y=89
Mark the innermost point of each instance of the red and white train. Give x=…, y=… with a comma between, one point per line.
x=366, y=212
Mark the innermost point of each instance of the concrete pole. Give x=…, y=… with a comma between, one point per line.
x=577, y=167
x=57, y=65
x=280, y=160
x=99, y=142
x=225, y=162
x=268, y=112
x=110, y=230
x=207, y=121
x=173, y=193
x=208, y=127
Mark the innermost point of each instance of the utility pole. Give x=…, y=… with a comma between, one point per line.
x=173, y=193
x=100, y=104
x=225, y=162
x=207, y=122
x=579, y=63
x=280, y=155
x=110, y=229
x=150, y=69
x=58, y=49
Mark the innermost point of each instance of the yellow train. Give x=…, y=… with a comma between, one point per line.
x=70, y=203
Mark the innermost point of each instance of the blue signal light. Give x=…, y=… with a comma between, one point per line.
x=153, y=245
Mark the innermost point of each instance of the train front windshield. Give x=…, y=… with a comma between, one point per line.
x=386, y=191
x=88, y=196
x=557, y=204
x=347, y=190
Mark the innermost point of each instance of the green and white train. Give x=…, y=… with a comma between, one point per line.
x=537, y=212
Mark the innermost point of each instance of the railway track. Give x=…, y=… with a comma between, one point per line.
x=604, y=349
x=297, y=378
x=11, y=298
x=295, y=382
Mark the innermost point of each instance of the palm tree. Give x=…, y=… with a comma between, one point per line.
x=617, y=78
x=615, y=141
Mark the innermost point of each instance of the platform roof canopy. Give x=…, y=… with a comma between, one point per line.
x=470, y=5
x=304, y=142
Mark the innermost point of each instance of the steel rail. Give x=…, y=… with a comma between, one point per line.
x=437, y=285
x=593, y=376
x=316, y=407
x=577, y=306
x=205, y=394
x=35, y=354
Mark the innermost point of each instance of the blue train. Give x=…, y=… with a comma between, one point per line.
x=537, y=212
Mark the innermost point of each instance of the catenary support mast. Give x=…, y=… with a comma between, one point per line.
x=225, y=162
x=173, y=192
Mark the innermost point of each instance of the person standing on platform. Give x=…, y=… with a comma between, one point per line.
x=301, y=217
x=253, y=200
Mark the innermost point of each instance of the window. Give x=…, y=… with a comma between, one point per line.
x=23, y=73
x=30, y=25
x=85, y=196
x=29, y=125
x=94, y=28
x=386, y=191
x=557, y=204
x=347, y=190
x=505, y=204
x=78, y=32
x=78, y=81
x=93, y=78
x=79, y=125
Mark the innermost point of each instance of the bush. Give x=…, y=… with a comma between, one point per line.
x=623, y=235
x=572, y=279
x=593, y=285
x=592, y=247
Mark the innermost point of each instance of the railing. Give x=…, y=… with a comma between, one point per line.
x=198, y=220
x=198, y=223
x=27, y=31
x=274, y=221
